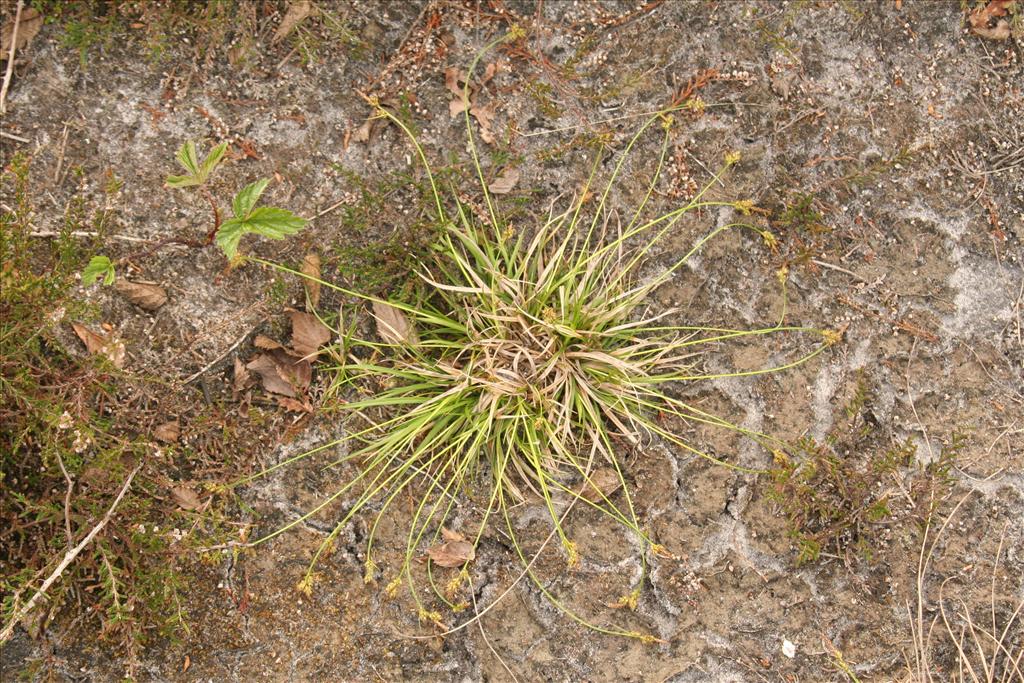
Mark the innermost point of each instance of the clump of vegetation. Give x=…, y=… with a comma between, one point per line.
x=68, y=442
x=248, y=219
x=519, y=371
x=839, y=495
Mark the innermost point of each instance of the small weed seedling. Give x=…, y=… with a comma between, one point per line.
x=247, y=218
x=522, y=370
x=837, y=494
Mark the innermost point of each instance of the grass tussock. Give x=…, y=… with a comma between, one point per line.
x=527, y=365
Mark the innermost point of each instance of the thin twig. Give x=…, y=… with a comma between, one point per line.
x=330, y=208
x=86, y=233
x=69, y=557
x=483, y=634
x=10, y=60
x=216, y=360
x=60, y=154
x=67, y=499
x=12, y=136
x=838, y=269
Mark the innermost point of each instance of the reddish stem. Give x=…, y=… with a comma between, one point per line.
x=216, y=217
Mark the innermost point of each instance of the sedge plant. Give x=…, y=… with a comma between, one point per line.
x=525, y=368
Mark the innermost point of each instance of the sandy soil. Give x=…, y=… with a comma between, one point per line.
x=897, y=123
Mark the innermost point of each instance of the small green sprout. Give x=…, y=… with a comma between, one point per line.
x=198, y=173
x=268, y=221
x=99, y=266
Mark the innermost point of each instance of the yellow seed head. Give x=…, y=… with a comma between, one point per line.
x=517, y=32
x=732, y=158
x=832, y=336
x=305, y=585
x=744, y=206
x=370, y=570
x=696, y=105
x=574, y=554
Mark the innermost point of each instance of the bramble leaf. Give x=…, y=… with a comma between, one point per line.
x=229, y=235
x=267, y=221
x=98, y=266
x=212, y=159
x=273, y=222
x=198, y=173
x=247, y=197
x=181, y=180
x=187, y=157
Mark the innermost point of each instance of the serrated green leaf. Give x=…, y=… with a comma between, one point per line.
x=198, y=173
x=247, y=197
x=98, y=265
x=181, y=181
x=273, y=222
x=229, y=235
x=187, y=157
x=211, y=161
x=267, y=221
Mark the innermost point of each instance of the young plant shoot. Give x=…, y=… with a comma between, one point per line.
x=267, y=221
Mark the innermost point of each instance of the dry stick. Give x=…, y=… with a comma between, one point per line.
x=69, y=557
x=60, y=155
x=86, y=233
x=12, y=136
x=839, y=269
x=10, y=60
x=67, y=499
x=483, y=634
x=218, y=359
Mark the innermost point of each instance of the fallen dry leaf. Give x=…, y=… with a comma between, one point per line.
x=456, y=107
x=168, y=432
x=452, y=81
x=489, y=72
x=311, y=267
x=604, y=481
x=293, y=404
x=145, y=295
x=262, y=341
x=29, y=25
x=186, y=498
x=451, y=553
x=393, y=326
x=100, y=344
x=242, y=376
x=504, y=183
x=308, y=333
x=449, y=535
x=280, y=373
x=484, y=116
x=296, y=14
x=373, y=125
x=982, y=18
x=362, y=133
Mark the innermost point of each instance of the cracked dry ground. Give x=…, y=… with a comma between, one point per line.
x=883, y=143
